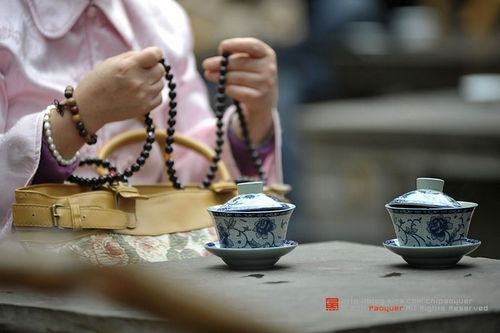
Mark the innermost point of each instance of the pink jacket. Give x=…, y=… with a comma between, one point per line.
x=46, y=45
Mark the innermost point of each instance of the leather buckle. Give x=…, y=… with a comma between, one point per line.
x=55, y=215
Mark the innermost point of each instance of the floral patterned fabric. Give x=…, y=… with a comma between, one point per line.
x=109, y=249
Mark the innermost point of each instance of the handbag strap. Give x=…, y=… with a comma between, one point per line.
x=69, y=206
x=183, y=140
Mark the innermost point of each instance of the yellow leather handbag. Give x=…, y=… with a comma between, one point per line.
x=74, y=217
x=133, y=210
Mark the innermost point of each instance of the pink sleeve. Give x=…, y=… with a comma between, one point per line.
x=19, y=157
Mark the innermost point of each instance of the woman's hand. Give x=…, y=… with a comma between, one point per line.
x=124, y=86
x=251, y=79
x=121, y=87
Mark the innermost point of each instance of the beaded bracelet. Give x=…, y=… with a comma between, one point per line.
x=47, y=128
x=70, y=103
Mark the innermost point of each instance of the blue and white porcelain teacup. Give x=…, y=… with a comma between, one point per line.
x=428, y=217
x=252, y=219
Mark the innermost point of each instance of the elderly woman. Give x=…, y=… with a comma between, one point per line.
x=109, y=52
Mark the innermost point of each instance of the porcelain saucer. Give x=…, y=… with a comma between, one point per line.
x=433, y=256
x=251, y=258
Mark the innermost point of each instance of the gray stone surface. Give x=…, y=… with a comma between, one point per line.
x=293, y=295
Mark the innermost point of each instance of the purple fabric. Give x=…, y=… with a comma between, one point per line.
x=242, y=156
x=49, y=170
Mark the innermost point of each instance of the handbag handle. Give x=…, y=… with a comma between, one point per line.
x=137, y=135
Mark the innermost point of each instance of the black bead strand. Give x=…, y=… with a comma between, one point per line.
x=220, y=106
x=113, y=175
x=169, y=141
x=257, y=162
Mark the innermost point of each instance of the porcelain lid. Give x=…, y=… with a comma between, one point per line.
x=429, y=194
x=251, y=198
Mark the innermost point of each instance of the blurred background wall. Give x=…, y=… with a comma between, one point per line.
x=374, y=94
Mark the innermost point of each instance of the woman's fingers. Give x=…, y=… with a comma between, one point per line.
x=156, y=73
x=239, y=62
x=245, y=87
x=247, y=54
x=239, y=66
x=148, y=57
x=156, y=101
x=242, y=93
x=251, y=46
x=157, y=87
x=240, y=78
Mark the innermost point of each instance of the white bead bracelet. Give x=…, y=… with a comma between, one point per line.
x=47, y=129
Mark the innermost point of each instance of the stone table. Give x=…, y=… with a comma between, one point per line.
x=318, y=287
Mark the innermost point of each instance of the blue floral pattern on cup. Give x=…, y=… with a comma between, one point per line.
x=438, y=227
x=432, y=226
x=252, y=229
x=264, y=227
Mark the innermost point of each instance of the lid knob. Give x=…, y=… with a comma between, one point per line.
x=434, y=184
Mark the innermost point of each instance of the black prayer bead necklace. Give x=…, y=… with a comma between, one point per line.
x=114, y=176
